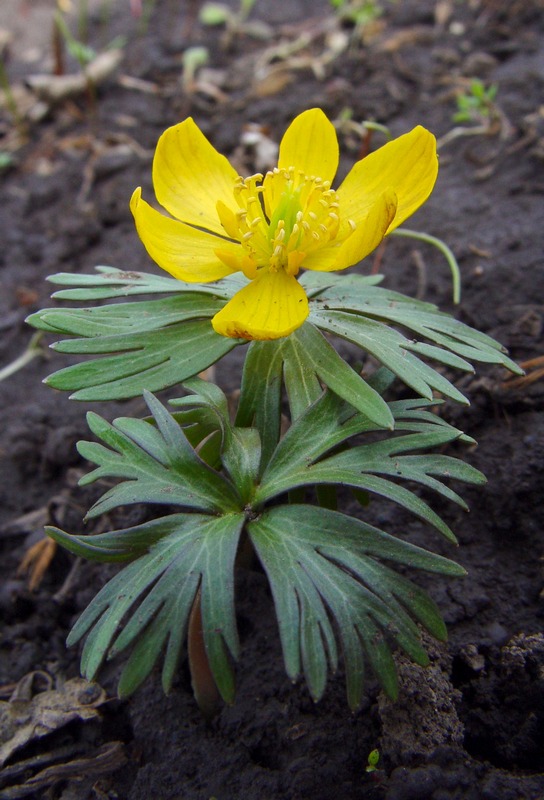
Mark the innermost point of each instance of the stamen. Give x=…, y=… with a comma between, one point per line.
x=296, y=215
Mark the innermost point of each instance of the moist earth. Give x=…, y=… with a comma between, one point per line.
x=471, y=725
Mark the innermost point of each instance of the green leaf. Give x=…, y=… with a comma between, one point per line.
x=157, y=464
x=111, y=282
x=241, y=447
x=203, y=431
x=358, y=299
x=151, y=360
x=118, y=319
x=149, y=601
x=260, y=395
x=150, y=344
x=389, y=347
x=325, y=567
x=298, y=459
x=316, y=282
x=121, y=545
x=315, y=350
x=301, y=381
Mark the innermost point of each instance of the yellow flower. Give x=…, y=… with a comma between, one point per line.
x=269, y=228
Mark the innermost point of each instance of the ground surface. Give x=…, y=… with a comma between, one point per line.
x=469, y=727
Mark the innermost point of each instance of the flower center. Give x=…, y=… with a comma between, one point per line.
x=282, y=219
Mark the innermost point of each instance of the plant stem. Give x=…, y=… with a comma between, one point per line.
x=446, y=252
x=204, y=687
x=25, y=358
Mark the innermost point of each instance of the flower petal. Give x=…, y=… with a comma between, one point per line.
x=408, y=165
x=368, y=234
x=269, y=307
x=190, y=176
x=310, y=144
x=186, y=253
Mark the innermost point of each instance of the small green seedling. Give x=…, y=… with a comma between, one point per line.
x=373, y=760
x=477, y=103
x=236, y=23
x=358, y=12
x=82, y=53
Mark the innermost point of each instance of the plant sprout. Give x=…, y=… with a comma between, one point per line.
x=373, y=761
x=476, y=103
x=262, y=263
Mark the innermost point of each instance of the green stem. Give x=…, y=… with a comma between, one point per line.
x=25, y=358
x=446, y=252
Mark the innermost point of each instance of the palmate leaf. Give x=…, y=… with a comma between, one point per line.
x=157, y=343
x=328, y=582
x=149, y=344
x=156, y=463
x=298, y=459
x=325, y=569
x=147, y=605
x=353, y=308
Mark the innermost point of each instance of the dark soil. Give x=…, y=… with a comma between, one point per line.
x=469, y=727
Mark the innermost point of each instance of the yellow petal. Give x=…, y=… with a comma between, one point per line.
x=190, y=176
x=185, y=252
x=408, y=166
x=368, y=234
x=269, y=307
x=310, y=144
